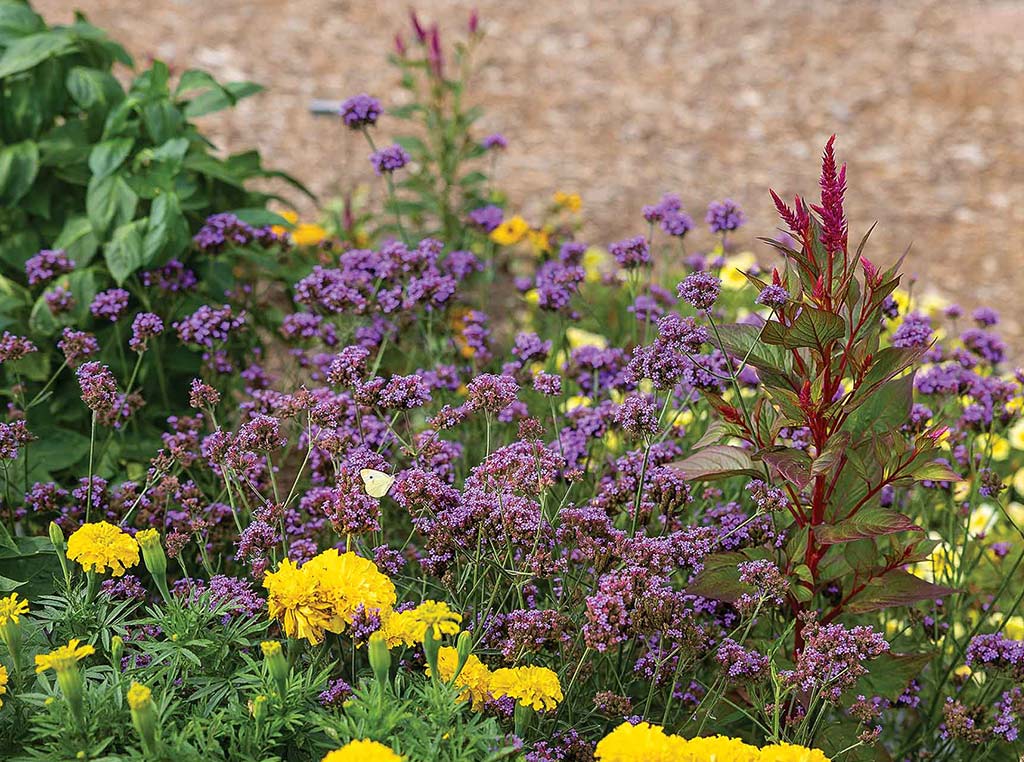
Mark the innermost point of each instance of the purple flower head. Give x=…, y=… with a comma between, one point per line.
x=637, y=416
x=389, y=159
x=774, y=296
x=110, y=304
x=209, y=325
x=60, y=300
x=548, y=384
x=15, y=347
x=172, y=278
x=914, y=331
x=202, y=395
x=77, y=345
x=986, y=317
x=741, y=664
x=99, y=388
x=145, y=326
x=700, y=289
x=724, y=216
x=669, y=204
x=404, y=393
x=494, y=142
x=487, y=218
x=360, y=111
x=632, y=252
x=491, y=392
x=46, y=265
x=677, y=224
x=12, y=436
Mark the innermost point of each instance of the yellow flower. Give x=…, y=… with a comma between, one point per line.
x=639, y=743
x=785, y=752
x=403, y=628
x=11, y=609
x=1015, y=435
x=511, y=231
x=596, y=261
x=139, y=695
x=718, y=749
x=102, y=545
x=3, y=682
x=66, y=656
x=539, y=240
x=732, y=275
x=291, y=597
x=1014, y=628
x=474, y=679
x=536, y=687
x=302, y=233
x=569, y=201
x=1000, y=447
x=575, y=401
x=362, y=751
x=577, y=338
x=348, y=581
x=983, y=518
x=270, y=648
x=439, y=616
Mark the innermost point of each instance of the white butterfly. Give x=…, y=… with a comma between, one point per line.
x=376, y=483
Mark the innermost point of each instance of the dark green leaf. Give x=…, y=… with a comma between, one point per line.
x=25, y=52
x=124, y=253
x=109, y=202
x=221, y=98
x=19, y=165
x=895, y=588
x=78, y=240
x=716, y=462
x=812, y=328
x=885, y=410
x=107, y=156
x=719, y=579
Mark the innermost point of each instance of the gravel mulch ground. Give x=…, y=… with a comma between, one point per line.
x=625, y=100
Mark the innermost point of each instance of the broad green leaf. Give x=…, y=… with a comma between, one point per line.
x=937, y=472
x=872, y=521
x=812, y=328
x=167, y=231
x=895, y=588
x=716, y=462
x=220, y=98
x=25, y=52
x=260, y=217
x=17, y=19
x=78, y=240
x=885, y=410
x=890, y=674
x=792, y=465
x=19, y=165
x=106, y=157
x=124, y=253
x=109, y=202
x=41, y=320
x=91, y=88
x=743, y=342
x=719, y=579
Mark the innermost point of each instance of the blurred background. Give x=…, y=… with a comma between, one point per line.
x=623, y=101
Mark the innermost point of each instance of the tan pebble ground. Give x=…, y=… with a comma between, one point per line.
x=625, y=100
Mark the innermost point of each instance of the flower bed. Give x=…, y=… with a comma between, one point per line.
x=438, y=482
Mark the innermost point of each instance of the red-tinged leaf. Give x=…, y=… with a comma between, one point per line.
x=716, y=462
x=743, y=342
x=885, y=410
x=716, y=430
x=720, y=579
x=895, y=588
x=936, y=472
x=866, y=523
x=791, y=464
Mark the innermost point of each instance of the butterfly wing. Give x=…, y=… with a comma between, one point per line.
x=376, y=483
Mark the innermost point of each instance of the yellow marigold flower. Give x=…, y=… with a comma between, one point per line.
x=511, y=231
x=66, y=656
x=139, y=695
x=270, y=648
x=596, y=261
x=732, y=275
x=983, y=519
x=348, y=581
x=639, y=743
x=474, y=679
x=997, y=445
x=570, y=201
x=1015, y=435
x=11, y=609
x=437, y=615
x=302, y=233
x=785, y=752
x=102, y=545
x=717, y=749
x=403, y=628
x=297, y=602
x=536, y=687
x=362, y=751
x=539, y=240
x=3, y=682
x=1013, y=628
x=579, y=338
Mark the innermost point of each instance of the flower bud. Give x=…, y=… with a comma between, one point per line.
x=258, y=708
x=155, y=559
x=380, y=658
x=464, y=647
x=431, y=648
x=140, y=701
x=277, y=665
x=116, y=651
x=60, y=546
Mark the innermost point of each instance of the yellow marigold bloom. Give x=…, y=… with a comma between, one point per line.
x=362, y=751
x=11, y=609
x=579, y=338
x=297, y=602
x=732, y=275
x=536, y=687
x=302, y=233
x=66, y=656
x=474, y=679
x=639, y=743
x=147, y=537
x=596, y=261
x=1013, y=628
x=539, y=240
x=999, y=446
x=139, y=695
x=348, y=581
x=785, y=752
x=403, y=628
x=570, y=201
x=102, y=545
x=3, y=682
x=437, y=615
x=983, y=519
x=718, y=749
x=511, y=231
